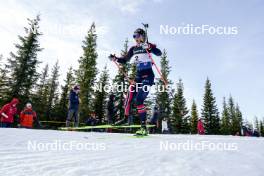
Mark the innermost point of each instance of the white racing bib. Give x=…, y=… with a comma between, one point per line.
x=142, y=61
x=141, y=58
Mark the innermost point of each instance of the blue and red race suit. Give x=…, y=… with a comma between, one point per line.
x=144, y=76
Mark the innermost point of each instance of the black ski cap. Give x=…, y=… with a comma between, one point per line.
x=140, y=31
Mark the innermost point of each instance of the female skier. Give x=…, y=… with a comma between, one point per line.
x=139, y=87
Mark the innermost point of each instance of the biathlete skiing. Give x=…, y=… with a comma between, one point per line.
x=141, y=55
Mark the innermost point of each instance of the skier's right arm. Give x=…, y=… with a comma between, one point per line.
x=125, y=58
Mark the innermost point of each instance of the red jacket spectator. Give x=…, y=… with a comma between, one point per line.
x=27, y=116
x=200, y=127
x=8, y=111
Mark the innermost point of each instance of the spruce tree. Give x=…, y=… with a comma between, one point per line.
x=1, y=61
x=180, y=119
x=235, y=116
x=101, y=96
x=261, y=127
x=23, y=64
x=163, y=99
x=40, y=97
x=2, y=71
x=225, y=120
x=194, y=118
x=55, y=112
x=248, y=124
x=53, y=91
x=62, y=109
x=210, y=112
x=239, y=120
x=3, y=82
x=256, y=124
x=86, y=73
x=120, y=80
x=232, y=113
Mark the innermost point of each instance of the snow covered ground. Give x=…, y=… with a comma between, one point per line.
x=56, y=153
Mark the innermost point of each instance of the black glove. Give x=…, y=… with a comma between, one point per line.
x=148, y=46
x=112, y=57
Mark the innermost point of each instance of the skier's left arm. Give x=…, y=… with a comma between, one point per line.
x=153, y=49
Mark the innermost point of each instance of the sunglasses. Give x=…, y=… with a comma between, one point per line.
x=135, y=36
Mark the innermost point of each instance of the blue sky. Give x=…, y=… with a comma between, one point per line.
x=234, y=63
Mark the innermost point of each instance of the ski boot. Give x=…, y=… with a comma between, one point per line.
x=142, y=131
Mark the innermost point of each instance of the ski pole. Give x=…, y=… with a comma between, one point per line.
x=152, y=60
x=118, y=66
x=161, y=76
x=123, y=72
x=146, y=30
x=158, y=70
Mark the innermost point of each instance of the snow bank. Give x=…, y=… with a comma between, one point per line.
x=56, y=153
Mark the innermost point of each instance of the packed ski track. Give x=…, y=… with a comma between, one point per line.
x=124, y=155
